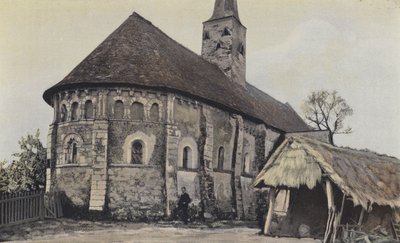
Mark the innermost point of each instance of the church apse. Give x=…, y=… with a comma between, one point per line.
x=126, y=136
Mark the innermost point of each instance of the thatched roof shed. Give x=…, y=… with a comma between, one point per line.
x=368, y=178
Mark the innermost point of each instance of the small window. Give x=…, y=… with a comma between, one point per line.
x=219, y=46
x=221, y=152
x=206, y=35
x=119, y=110
x=74, y=111
x=89, y=114
x=246, y=166
x=154, y=112
x=137, y=152
x=71, y=156
x=187, y=157
x=63, y=113
x=137, y=111
x=226, y=32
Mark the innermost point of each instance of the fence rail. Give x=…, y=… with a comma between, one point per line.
x=21, y=207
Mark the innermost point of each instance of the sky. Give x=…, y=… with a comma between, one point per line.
x=294, y=47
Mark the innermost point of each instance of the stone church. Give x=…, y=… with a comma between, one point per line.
x=143, y=116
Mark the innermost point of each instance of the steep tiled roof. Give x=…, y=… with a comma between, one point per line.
x=139, y=54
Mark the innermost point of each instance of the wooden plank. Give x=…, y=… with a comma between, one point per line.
x=331, y=211
x=271, y=206
x=41, y=205
x=21, y=207
x=1, y=209
x=360, y=220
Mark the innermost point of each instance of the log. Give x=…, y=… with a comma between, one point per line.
x=271, y=206
x=331, y=210
x=361, y=217
x=338, y=218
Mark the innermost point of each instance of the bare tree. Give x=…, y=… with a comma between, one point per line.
x=327, y=111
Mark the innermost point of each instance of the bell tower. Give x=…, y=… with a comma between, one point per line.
x=224, y=41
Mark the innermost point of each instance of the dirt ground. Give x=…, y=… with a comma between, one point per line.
x=67, y=230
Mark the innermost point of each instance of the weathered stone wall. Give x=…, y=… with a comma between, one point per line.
x=224, y=43
x=136, y=193
x=74, y=181
x=322, y=136
x=150, y=190
x=119, y=132
x=187, y=117
x=223, y=136
x=80, y=131
x=191, y=181
x=249, y=198
x=223, y=192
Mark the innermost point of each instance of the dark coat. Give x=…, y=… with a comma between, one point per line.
x=184, y=200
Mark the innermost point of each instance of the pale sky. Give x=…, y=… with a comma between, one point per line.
x=293, y=48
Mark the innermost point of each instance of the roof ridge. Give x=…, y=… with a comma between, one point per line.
x=346, y=148
x=135, y=14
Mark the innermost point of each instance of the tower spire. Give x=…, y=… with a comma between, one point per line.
x=225, y=8
x=224, y=41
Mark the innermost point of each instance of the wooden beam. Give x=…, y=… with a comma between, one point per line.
x=329, y=194
x=361, y=216
x=331, y=210
x=338, y=218
x=271, y=206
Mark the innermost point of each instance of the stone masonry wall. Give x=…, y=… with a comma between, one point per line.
x=119, y=132
x=74, y=182
x=104, y=178
x=136, y=194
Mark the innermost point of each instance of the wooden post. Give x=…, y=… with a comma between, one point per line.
x=41, y=205
x=338, y=218
x=271, y=206
x=331, y=210
x=361, y=216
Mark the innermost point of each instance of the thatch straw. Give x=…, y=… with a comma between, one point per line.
x=365, y=176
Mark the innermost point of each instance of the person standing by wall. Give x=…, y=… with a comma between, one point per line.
x=183, y=205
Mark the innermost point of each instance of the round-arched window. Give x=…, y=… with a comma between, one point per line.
x=247, y=164
x=71, y=156
x=119, y=109
x=155, y=112
x=74, y=111
x=137, y=111
x=89, y=112
x=221, y=153
x=63, y=113
x=137, y=152
x=187, y=157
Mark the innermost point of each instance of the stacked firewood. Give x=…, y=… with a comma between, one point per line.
x=377, y=235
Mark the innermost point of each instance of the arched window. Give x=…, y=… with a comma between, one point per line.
x=89, y=114
x=226, y=32
x=63, y=113
x=137, y=111
x=218, y=46
x=137, y=152
x=221, y=153
x=246, y=166
x=187, y=158
x=119, y=109
x=74, y=111
x=154, y=112
x=71, y=157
